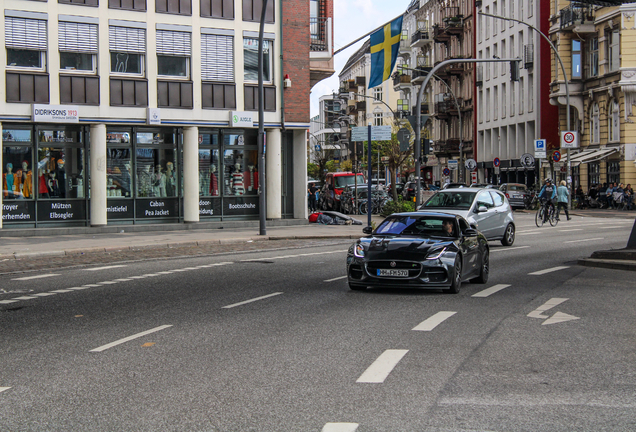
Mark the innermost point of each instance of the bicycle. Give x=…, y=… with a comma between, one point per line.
x=540, y=218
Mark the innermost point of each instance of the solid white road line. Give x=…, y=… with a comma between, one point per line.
x=293, y=256
x=382, y=367
x=340, y=427
x=60, y=291
x=491, y=290
x=584, y=240
x=570, y=230
x=36, y=277
x=508, y=248
x=432, y=322
x=129, y=338
x=24, y=298
x=250, y=301
x=335, y=279
x=105, y=268
x=550, y=270
x=44, y=294
x=7, y=388
x=546, y=306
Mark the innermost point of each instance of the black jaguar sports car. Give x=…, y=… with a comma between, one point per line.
x=419, y=250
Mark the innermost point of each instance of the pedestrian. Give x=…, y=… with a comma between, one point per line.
x=312, y=197
x=562, y=199
x=609, y=195
x=629, y=196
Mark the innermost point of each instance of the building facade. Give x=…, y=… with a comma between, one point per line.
x=127, y=112
x=511, y=114
x=595, y=40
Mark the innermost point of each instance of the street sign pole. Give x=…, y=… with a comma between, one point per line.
x=369, y=201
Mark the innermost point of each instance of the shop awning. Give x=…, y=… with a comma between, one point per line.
x=587, y=156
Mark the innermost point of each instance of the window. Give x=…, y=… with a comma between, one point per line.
x=614, y=122
x=504, y=65
x=217, y=8
x=155, y=159
x=173, y=54
x=494, y=12
x=522, y=91
x=594, y=125
x=513, y=97
x=252, y=10
x=496, y=102
x=78, y=47
x=178, y=7
x=60, y=164
x=613, y=172
x=504, y=97
x=377, y=93
x=240, y=165
x=481, y=106
x=487, y=24
x=576, y=59
x=485, y=199
x=530, y=93
x=497, y=198
x=612, y=39
x=217, y=58
x=487, y=105
x=593, y=173
x=17, y=160
x=377, y=118
x=26, y=43
x=593, y=49
x=250, y=54
x=127, y=49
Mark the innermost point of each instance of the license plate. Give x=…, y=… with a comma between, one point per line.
x=394, y=273
x=516, y=196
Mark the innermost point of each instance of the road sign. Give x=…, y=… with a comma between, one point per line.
x=496, y=162
x=473, y=177
x=317, y=147
x=569, y=140
x=446, y=172
x=378, y=133
x=540, y=148
x=385, y=159
x=527, y=160
x=556, y=156
x=453, y=164
x=470, y=164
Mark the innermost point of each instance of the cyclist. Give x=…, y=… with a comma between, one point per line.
x=547, y=195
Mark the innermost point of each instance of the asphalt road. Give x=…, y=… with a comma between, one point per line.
x=275, y=341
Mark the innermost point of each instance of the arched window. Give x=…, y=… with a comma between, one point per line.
x=595, y=135
x=614, y=121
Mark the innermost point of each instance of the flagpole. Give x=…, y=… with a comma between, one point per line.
x=365, y=35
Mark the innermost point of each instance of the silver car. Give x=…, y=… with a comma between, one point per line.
x=486, y=209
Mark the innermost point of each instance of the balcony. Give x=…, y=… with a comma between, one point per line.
x=449, y=147
x=401, y=81
x=456, y=69
x=422, y=37
x=361, y=106
x=321, y=64
x=420, y=73
x=361, y=81
x=405, y=47
x=577, y=18
x=425, y=109
x=440, y=35
x=352, y=109
x=453, y=21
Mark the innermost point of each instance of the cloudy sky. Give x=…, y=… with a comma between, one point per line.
x=353, y=18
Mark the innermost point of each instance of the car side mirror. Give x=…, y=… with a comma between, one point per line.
x=481, y=209
x=367, y=230
x=470, y=232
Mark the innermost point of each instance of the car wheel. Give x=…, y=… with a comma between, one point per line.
x=509, y=236
x=485, y=269
x=457, y=276
x=357, y=287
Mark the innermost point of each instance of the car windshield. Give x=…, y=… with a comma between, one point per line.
x=457, y=200
x=428, y=226
x=344, y=181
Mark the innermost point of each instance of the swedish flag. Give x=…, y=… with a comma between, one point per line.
x=385, y=44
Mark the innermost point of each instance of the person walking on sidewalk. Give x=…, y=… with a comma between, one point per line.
x=562, y=199
x=312, y=197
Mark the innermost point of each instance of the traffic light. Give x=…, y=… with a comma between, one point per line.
x=425, y=146
x=514, y=70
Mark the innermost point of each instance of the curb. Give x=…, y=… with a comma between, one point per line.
x=610, y=264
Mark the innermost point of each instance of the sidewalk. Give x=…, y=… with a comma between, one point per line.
x=49, y=242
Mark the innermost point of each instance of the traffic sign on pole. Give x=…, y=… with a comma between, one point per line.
x=556, y=156
x=569, y=139
x=496, y=162
x=540, y=148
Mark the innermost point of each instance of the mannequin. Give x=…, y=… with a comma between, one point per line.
x=43, y=189
x=214, y=181
x=238, y=187
x=80, y=184
x=61, y=177
x=159, y=183
x=54, y=187
x=8, y=182
x=26, y=181
x=250, y=188
x=171, y=181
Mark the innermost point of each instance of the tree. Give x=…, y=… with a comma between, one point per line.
x=396, y=157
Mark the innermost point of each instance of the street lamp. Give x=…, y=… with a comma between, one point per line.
x=565, y=79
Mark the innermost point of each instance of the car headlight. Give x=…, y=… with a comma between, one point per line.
x=358, y=251
x=435, y=254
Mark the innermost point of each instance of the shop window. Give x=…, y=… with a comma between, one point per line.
x=156, y=165
x=217, y=8
x=240, y=166
x=17, y=159
x=250, y=55
x=209, y=165
x=60, y=167
x=118, y=168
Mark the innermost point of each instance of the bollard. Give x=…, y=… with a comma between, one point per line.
x=631, y=243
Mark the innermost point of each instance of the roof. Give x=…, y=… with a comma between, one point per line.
x=364, y=49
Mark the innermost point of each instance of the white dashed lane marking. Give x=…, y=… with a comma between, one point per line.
x=36, y=277
x=8, y=301
x=491, y=290
x=251, y=300
x=584, y=240
x=432, y=322
x=105, y=268
x=340, y=427
x=129, y=338
x=550, y=270
x=507, y=249
x=335, y=279
x=382, y=367
x=4, y=389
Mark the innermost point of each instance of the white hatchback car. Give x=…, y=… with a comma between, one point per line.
x=487, y=209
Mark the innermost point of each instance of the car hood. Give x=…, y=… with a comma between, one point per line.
x=409, y=248
x=466, y=214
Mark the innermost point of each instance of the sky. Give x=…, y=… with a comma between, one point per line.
x=352, y=19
